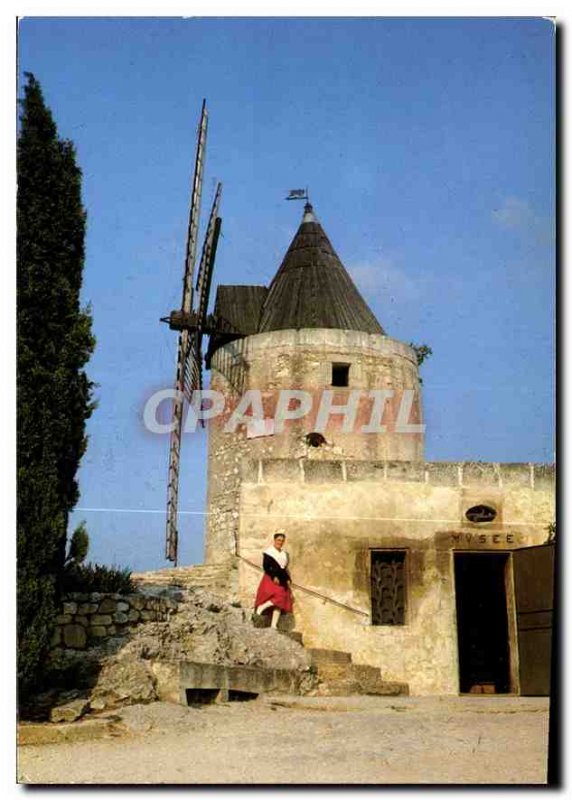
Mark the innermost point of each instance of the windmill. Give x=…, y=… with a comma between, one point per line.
x=192, y=324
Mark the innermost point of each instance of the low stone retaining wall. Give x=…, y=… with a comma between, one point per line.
x=183, y=681
x=86, y=618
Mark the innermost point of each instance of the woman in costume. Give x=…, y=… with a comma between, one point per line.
x=274, y=588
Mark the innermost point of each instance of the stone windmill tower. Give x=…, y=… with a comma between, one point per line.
x=310, y=331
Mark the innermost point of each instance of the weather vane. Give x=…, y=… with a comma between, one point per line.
x=299, y=194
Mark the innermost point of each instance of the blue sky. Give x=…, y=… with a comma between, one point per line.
x=428, y=147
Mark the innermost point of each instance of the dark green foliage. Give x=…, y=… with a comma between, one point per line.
x=551, y=529
x=53, y=392
x=79, y=545
x=97, y=578
x=422, y=351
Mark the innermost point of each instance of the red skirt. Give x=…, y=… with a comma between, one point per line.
x=280, y=597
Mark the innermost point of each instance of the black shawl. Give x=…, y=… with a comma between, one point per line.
x=272, y=567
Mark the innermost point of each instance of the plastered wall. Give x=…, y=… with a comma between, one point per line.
x=335, y=512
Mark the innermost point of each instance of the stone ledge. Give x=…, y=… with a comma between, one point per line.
x=254, y=680
x=437, y=473
x=405, y=471
x=481, y=473
x=280, y=469
x=442, y=473
x=323, y=471
x=271, y=343
x=365, y=470
x=38, y=733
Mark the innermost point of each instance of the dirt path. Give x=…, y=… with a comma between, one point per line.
x=356, y=740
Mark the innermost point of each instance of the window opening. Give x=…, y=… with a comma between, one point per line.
x=315, y=439
x=340, y=374
x=388, y=587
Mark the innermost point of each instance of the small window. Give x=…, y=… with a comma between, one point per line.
x=388, y=587
x=480, y=514
x=340, y=374
x=315, y=439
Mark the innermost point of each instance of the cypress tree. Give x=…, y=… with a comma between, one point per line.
x=54, y=395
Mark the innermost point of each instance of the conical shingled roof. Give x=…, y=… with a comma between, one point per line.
x=312, y=288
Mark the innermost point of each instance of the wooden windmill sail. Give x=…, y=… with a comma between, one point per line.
x=191, y=322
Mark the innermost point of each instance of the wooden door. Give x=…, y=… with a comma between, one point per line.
x=534, y=599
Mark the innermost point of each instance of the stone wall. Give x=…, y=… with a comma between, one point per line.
x=464, y=474
x=88, y=618
x=212, y=577
x=335, y=513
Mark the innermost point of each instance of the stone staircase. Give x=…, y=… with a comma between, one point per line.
x=339, y=676
x=212, y=577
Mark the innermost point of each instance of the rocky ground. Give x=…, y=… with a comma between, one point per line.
x=117, y=671
x=113, y=730
x=308, y=740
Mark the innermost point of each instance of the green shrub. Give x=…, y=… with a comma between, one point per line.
x=551, y=529
x=97, y=578
x=79, y=544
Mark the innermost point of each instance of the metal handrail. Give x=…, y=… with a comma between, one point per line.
x=309, y=591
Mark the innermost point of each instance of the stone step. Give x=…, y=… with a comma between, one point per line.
x=84, y=730
x=295, y=635
x=321, y=655
x=348, y=679
x=200, y=576
x=338, y=689
x=389, y=689
x=349, y=688
x=364, y=672
x=341, y=672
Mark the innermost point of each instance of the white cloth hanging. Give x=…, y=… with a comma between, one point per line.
x=280, y=556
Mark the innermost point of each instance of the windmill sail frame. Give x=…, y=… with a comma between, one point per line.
x=191, y=322
x=187, y=351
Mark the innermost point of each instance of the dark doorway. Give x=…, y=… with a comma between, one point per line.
x=482, y=622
